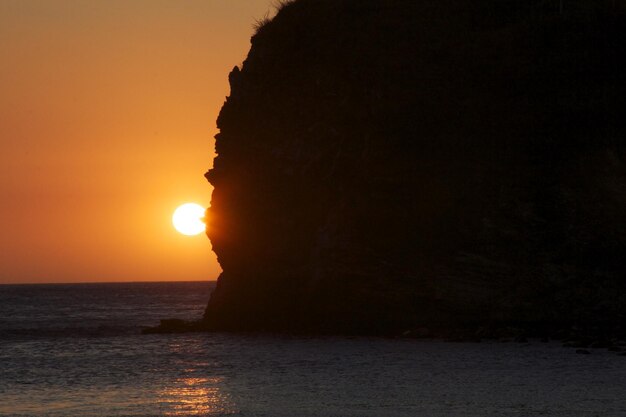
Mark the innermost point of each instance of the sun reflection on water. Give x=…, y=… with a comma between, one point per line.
x=196, y=397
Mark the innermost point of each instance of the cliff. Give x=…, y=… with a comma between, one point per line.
x=384, y=165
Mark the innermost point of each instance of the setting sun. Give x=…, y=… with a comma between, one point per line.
x=188, y=219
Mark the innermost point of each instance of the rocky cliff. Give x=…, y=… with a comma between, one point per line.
x=390, y=164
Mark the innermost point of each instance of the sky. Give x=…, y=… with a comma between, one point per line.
x=107, y=118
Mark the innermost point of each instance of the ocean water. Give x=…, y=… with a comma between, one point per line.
x=76, y=350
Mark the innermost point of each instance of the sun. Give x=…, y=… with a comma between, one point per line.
x=188, y=219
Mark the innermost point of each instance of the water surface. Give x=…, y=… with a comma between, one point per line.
x=76, y=351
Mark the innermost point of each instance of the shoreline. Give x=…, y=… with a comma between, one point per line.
x=573, y=336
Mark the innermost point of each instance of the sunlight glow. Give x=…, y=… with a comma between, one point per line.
x=194, y=396
x=188, y=219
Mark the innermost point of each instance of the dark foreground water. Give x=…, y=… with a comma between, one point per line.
x=74, y=350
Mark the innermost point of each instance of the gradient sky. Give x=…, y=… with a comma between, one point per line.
x=107, y=117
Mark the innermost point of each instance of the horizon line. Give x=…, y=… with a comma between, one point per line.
x=103, y=282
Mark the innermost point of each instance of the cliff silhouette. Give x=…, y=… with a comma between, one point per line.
x=390, y=165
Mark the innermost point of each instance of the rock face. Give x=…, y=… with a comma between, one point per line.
x=390, y=164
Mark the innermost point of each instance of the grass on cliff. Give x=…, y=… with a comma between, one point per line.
x=277, y=5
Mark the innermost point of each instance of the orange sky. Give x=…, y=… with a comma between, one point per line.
x=107, y=117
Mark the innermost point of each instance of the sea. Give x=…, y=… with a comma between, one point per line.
x=77, y=351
